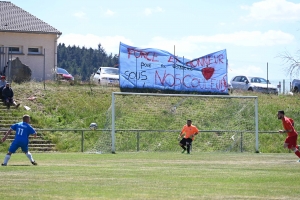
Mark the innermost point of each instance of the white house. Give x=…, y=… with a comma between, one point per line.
x=30, y=39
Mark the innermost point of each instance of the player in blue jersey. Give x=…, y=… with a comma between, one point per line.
x=23, y=130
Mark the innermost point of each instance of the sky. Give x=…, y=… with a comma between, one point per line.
x=254, y=32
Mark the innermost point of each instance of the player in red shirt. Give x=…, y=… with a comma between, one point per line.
x=187, y=134
x=291, y=139
x=292, y=121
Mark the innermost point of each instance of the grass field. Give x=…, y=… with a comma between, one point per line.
x=151, y=176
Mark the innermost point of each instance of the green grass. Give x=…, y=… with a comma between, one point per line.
x=151, y=176
x=145, y=175
x=64, y=106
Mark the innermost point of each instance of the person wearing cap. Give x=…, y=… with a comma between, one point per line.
x=187, y=134
x=7, y=96
x=291, y=139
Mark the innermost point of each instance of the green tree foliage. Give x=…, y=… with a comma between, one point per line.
x=83, y=62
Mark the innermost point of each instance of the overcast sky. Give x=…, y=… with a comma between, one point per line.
x=253, y=32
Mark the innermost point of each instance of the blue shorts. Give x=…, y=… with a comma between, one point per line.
x=15, y=145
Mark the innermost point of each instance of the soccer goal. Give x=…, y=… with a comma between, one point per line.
x=152, y=122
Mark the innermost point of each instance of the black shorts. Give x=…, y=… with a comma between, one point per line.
x=185, y=141
x=10, y=100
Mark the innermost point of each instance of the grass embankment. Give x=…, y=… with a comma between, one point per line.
x=62, y=106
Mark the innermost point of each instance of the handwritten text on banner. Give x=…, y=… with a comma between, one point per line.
x=157, y=69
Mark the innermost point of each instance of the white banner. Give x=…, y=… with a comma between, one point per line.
x=161, y=70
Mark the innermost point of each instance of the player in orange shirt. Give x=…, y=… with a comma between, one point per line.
x=187, y=134
x=291, y=139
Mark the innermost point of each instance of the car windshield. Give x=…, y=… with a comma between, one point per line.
x=258, y=80
x=114, y=71
x=62, y=71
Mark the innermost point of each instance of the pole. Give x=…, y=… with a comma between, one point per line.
x=8, y=69
x=241, y=142
x=82, y=139
x=113, y=147
x=183, y=69
x=267, y=78
x=136, y=72
x=256, y=126
x=44, y=68
x=174, y=68
x=138, y=141
x=279, y=87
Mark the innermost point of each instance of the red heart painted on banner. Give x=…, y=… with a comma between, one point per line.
x=207, y=72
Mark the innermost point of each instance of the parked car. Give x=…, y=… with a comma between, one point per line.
x=296, y=85
x=256, y=84
x=62, y=74
x=107, y=76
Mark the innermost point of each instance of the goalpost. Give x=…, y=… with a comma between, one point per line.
x=152, y=122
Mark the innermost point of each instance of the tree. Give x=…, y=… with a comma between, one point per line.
x=84, y=61
x=293, y=63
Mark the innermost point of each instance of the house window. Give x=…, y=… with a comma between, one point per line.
x=34, y=50
x=14, y=50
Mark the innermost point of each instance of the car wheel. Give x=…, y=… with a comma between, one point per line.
x=250, y=89
x=296, y=90
x=99, y=81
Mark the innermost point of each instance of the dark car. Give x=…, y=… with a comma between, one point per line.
x=63, y=74
x=296, y=85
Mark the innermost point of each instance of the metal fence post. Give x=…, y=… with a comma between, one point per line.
x=241, y=141
x=138, y=141
x=82, y=139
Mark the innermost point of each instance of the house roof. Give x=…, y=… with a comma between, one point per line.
x=15, y=19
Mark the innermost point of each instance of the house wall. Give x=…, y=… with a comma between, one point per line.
x=34, y=61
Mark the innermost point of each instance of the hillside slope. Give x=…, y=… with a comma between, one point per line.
x=64, y=106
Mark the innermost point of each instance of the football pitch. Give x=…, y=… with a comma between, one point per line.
x=151, y=175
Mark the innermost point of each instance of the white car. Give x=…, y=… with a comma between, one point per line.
x=107, y=76
x=256, y=84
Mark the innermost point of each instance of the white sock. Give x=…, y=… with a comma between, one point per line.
x=29, y=156
x=6, y=159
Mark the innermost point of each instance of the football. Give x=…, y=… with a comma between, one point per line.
x=93, y=126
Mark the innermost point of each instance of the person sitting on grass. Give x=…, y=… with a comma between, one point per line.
x=7, y=96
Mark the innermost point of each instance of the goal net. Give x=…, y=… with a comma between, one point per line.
x=152, y=122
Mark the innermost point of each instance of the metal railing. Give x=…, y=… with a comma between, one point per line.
x=240, y=140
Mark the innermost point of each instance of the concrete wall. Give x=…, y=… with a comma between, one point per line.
x=34, y=61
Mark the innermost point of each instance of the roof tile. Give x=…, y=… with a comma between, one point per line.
x=15, y=19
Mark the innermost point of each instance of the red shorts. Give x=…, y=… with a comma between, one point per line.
x=291, y=140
